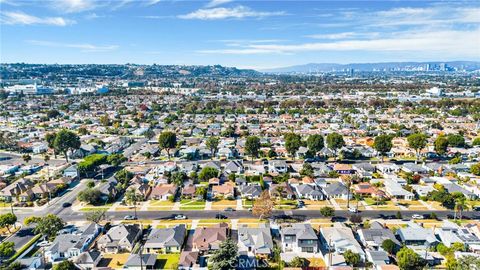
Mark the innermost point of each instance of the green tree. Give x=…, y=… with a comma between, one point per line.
x=64, y=265
x=95, y=216
x=48, y=225
x=26, y=158
x=7, y=220
x=225, y=258
x=456, y=140
x=475, y=169
x=178, y=178
x=208, y=172
x=407, y=259
x=441, y=145
x=212, y=144
x=327, y=211
x=90, y=195
x=7, y=249
x=167, y=140
x=65, y=141
x=297, y=262
x=293, y=142
x=116, y=159
x=389, y=246
x=334, y=142
x=53, y=114
x=50, y=138
x=252, y=146
x=476, y=141
x=351, y=258
x=307, y=170
x=383, y=144
x=468, y=262
x=149, y=134
x=417, y=141
x=315, y=143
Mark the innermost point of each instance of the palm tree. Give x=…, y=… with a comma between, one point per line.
x=460, y=205
x=26, y=158
x=348, y=182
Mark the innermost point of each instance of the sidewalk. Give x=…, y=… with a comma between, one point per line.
x=335, y=204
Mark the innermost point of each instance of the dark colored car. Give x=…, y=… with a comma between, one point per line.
x=66, y=204
x=220, y=216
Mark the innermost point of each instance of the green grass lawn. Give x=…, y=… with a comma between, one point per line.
x=247, y=203
x=167, y=261
x=192, y=205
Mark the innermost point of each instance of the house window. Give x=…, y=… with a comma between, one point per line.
x=307, y=249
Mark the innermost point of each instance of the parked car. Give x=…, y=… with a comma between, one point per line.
x=180, y=217
x=66, y=204
x=353, y=210
x=130, y=217
x=229, y=209
x=417, y=216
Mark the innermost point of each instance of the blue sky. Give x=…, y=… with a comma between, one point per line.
x=247, y=34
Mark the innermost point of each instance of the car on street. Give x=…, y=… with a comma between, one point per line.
x=229, y=209
x=180, y=217
x=66, y=204
x=353, y=210
x=417, y=216
x=130, y=217
x=220, y=216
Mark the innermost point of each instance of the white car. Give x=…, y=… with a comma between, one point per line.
x=417, y=216
x=353, y=210
x=180, y=217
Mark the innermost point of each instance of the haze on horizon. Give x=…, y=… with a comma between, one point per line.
x=246, y=34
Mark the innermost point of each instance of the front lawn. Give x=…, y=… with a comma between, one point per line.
x=167, y=261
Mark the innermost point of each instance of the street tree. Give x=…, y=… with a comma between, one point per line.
x=26, y=158
x=47, y=225
x=167, y=140
x=212, y=144
x=7, y=249
x=417, y=142
x=440, y=145
x=383, y=144
x=252, y=146
x=293, y=142
x=335, y=142
x=315, y=143
x=456, y=140
x=7, y=220
x=327, y=211
x=263, y=205
x=297, y=262
x=407, y=259
x=91, y=196
x=64, y=265
x=95, y=216
x=66, y=141
x=475, y=169
x=225, y=258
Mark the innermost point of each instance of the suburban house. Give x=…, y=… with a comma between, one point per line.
x=255, y=241
x=225, y=190
x=209, y=238
x=121, y=238
x=309, y=191
x=188, y=192
x=339, y=239
x=163, y=192
x=450, y=233
x=374, y=236
x=66, y=246
x=188, y=260
x=166, y=240
x=415, y=235
x=336, y=190
x=250, y=191
x=299, y=238
x=88, y=260
x=277, y=166
x=282, y=191
x=234, y=166
x=395, y=190
x=135, y=262
x=19, y=190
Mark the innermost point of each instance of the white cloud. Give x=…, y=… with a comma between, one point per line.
x=215, y=3
x=74, y=6
x=84, y=47
x=237, y=12
x=11, y=17
x=152, y=2
x=440, y=43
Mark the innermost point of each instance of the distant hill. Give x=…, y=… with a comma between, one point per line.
x=388, y=66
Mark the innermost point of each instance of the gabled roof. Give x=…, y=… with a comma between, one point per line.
x=168, y=237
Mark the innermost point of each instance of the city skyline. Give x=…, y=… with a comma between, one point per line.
x=245, y=34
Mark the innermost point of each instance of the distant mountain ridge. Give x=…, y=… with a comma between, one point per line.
x=386, y=66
